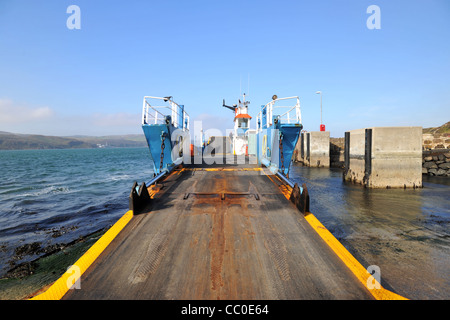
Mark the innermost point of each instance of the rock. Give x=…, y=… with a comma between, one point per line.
x=445, y=165
x=432, y=172
x=424, y=170
x=28, y=249
x=435, y=158
x=447, y=155
x=430, y=165
x=439, y=162
x=441, y=157
x=21, y=271
x=429, y=158
x=441, y=172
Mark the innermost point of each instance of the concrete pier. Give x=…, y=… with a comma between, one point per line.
x=384, y=157
x=313, y=149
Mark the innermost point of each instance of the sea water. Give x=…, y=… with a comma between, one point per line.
x=56, y=196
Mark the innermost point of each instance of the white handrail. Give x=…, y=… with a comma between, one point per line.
x=286, y=117
x=150, y=113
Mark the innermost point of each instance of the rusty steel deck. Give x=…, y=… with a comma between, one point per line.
x=225, y=233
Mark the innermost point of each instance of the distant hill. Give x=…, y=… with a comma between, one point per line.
x=445, y=128
x=14, y=141
x=119, y=141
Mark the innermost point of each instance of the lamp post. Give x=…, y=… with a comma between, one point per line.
x=322, y=127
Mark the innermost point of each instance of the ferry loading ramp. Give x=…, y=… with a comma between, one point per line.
x=219, y=232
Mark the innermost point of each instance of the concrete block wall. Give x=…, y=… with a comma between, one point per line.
x=337, y=146
x=305, y=151
x=384, y=157
x=313, y=149
x=306, y=140
x=319, y=149
x=355, y=142
x=300, y=149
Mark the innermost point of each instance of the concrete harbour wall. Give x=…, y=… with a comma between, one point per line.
x=435, y=162
x=337, y=146
x=313, y=149
x=319, y=149
x=384, y=157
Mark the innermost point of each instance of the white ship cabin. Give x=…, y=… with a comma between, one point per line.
x=242, y=118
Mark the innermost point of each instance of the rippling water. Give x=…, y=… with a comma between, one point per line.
x=56, y=196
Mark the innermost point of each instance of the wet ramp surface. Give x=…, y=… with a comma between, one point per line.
x=219, y=235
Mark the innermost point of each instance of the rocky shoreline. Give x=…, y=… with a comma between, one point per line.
x=436, y=163
x=24, y=280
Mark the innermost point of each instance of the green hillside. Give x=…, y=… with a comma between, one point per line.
x=445, y=128
x=13, y=141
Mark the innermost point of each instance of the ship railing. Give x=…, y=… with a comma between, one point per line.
x=157, y=114
x=284, y=114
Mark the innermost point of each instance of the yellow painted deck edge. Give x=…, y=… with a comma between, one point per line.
x=58, y=289
x=357, y=269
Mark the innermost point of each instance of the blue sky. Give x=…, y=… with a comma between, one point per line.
x=91, y=81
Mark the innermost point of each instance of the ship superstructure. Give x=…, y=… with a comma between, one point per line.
x=239, y=139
